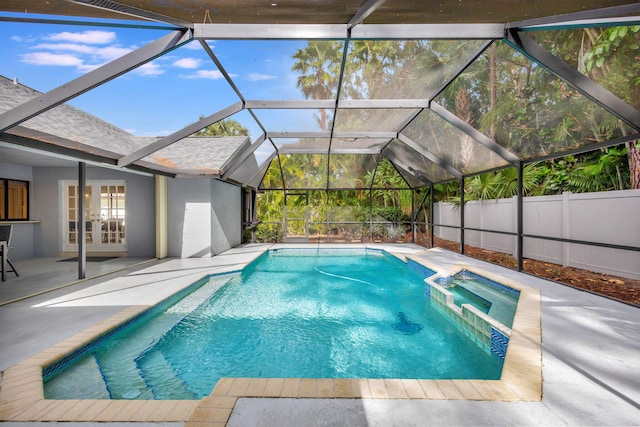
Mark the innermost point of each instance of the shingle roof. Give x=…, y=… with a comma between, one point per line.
x=73, y=128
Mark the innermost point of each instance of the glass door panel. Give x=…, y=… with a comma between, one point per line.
x=112, y=214
x=104, y=216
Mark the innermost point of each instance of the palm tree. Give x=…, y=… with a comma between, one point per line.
x=318, y=65
x=227, y=127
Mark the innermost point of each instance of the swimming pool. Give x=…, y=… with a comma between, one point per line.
x=327, y=314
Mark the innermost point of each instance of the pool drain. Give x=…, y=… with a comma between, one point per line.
x=405, y=326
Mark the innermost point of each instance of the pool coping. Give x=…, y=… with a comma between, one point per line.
x=22, y=392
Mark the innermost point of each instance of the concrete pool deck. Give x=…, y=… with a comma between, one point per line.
x=590, y=361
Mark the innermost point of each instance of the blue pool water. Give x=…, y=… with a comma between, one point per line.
x=292, y=313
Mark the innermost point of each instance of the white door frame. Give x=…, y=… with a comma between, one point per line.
x=105, y=215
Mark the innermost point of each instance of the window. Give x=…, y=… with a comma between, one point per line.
x=14, y=200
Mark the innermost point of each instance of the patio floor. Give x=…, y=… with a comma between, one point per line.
x=590, y=345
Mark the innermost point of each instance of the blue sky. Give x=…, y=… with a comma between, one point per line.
x=159, y=97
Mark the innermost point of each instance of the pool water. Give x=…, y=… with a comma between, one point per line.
x=291, y=314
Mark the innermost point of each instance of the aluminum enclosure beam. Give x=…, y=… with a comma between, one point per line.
x=131, y=11
x=364, y=134
x=462, y=216
x=286, y=150
x=92, y=79
x=182, y=133
x=475, y=134
x=408, y=169
x=461, y=69
x=587, y=148
x=520, y=222
x=262, y=171
x=239, y=153
x=430, y=156
x=428, y=31
x=270, y=31
x=375, y=151
x=229, y=80
x=221, y=68
x=587, y=23
x=290, y=104
x=367, y=9
x=234, y=165
x=342, y=104
x=298, y=134
x=383, y=103
x=81, y=225
x=342, y=31
x=136, y=25
x=354, y=134
x=573, y=77
x=570, y=18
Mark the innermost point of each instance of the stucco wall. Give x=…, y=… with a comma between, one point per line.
x=204, y=217
x=22, y=232
x=226, y=218
x=189, y=217
x=46, y=207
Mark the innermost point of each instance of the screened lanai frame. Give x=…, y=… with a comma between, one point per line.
x=418, y=162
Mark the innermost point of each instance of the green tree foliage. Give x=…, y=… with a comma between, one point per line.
x=318, y=65
x=611, y=57
x=502, y=93
x=226, y=127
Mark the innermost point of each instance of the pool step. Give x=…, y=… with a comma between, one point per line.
x=161, y=379
x=119, y=368
x=123, y=379
x=84, y=380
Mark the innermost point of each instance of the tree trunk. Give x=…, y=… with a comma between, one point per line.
x=463, y=110
x=633, y=154
x=492, y=86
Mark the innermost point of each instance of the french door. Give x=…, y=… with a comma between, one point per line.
x=105, y=216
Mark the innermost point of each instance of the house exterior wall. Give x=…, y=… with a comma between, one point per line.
x=46, y=208
x=22, y=231
x=226, y=218
x=189, y=217
x=42, y=238
x=204, y=217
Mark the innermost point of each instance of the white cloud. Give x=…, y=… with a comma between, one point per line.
x=112, y=52
x=48, y=58
x=258, y=77
x=108, y=53
x=71, y=47
x=204, y=74
x=20, y=39
x=82, y=51
x=192, y=45
x=149, y=69
x=86, y=37
x=187, y=63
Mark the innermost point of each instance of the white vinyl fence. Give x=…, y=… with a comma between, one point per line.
x=611, y=217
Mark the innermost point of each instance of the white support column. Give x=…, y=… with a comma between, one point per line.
x=161, y=216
